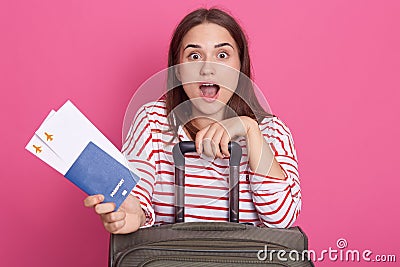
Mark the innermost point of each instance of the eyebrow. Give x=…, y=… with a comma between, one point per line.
x=215, y=46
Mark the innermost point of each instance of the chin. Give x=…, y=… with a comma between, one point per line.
x=207, y=109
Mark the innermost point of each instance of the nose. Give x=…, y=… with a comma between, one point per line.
x=207, y=68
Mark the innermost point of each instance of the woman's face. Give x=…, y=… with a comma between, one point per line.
x=210, y=75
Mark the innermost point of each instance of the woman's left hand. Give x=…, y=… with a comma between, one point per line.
x=213, y=140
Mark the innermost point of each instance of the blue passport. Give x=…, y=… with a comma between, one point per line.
x=96, y=172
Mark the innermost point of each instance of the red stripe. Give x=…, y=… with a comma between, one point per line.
x=163, y=193
x=165, y=182
x=207, y=186
x=163, y=204
x=207, y=207
x=205, y=177
x=159, y=122
x=194, y=196
x=207, y=168
x=266, y=182
x=145, y=197
x=165, y=172
x=273, y=149
x=276, y=210
x=296, y=181
x=291, y=220
x=148, y=214
x=292, y=172
x=142, y=203
x=251, y=211
x=245, y=200
x=129, y=134
x=265, y=203
x=272, y=128
x=143, y=162
x=290, y=146
x=196, y=156
x=149, y=183
x=268, y=194
x=145, y=190
x=150, y=155
x=287, y=156
x=213, y=162
x=284, y=216
x=283, y=127
x=158, y=140
x=160, y=151
x=164, y=162
x=206, y=196
x=158, y=114
x=138, y=138
x=264, y=122
x=295, y=195
x=146, y=172
x=143, y=147
x=277, y=138
x=134, y=132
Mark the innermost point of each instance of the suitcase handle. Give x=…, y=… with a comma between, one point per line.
x=178, y=153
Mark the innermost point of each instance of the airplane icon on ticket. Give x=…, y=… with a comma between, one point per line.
x=49, y=137
x=37, y=148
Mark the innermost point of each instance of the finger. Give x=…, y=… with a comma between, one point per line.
x=114, y=226
x=207, y=143
x=113, y=216
x=216, y=140
x=224, y=144
x=199, y=139
x=91, y=201
x=104, y=207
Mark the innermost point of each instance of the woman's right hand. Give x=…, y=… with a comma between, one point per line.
x=127, y=219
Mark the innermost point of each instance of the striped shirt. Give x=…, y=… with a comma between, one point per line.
x=262, y=199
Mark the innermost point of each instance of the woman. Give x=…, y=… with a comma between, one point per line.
x=202, y=108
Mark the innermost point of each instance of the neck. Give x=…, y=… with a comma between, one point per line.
x=201, y=120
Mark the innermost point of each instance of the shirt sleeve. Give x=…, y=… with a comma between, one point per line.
x=138, y=151
x=277, y=201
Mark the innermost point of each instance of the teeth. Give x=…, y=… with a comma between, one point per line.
x=208, y=84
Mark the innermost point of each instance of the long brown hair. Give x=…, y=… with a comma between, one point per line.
x=245, y=90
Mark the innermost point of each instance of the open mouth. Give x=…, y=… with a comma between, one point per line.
x=209, y=90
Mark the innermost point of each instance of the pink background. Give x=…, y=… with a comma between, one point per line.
x=330, y=70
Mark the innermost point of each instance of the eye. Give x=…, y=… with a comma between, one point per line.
x=222, y=55
x=194, y=56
